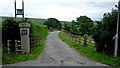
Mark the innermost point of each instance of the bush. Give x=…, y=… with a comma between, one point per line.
x=81, y=26
x=104, y=32
x=42, y=30
x=13, y=57
x=10, y=31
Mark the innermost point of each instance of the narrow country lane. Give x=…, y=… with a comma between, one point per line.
x=58, y=53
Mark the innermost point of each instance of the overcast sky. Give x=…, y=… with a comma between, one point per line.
x=63, y=10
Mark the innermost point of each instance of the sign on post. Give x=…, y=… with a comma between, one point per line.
x=19, y=12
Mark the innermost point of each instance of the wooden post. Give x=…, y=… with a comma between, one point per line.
x=16, y=46
x=75, y=39
x=85, y=39
x=15, y=8
x=72, y=37
x=23, y=8
x=38, y=40
x=79, y=39
x=8, y=46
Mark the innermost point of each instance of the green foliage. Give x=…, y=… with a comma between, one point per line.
x=92, y=54
x=52, y=22
x=42, y=30
x=84, y=19
x=104, y=32
x=9, y=58
x=13, y=57
x=81, y=26
x=35, y=20
x=10, y=30
x=67, y=26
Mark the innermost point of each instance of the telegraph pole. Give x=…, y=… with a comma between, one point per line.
x=15, y=8
x=23, y=8
x=19, y=11
x=119, y=25
x=117, y=30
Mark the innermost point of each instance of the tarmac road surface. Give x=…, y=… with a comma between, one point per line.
x=58, y=53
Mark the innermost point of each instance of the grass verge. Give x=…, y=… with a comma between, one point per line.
x=0, y=54
x=92, y=54
x=16, y=57
x=54, y=30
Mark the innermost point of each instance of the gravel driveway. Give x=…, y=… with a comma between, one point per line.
x=58, y=53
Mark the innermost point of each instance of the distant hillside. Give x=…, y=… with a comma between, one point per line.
x=36, y=20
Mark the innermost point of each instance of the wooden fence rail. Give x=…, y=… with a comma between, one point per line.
x=34, y=40
x=78, y=39
x=17, y=46
x=11, y=45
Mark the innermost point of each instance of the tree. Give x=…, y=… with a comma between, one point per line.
x=81, y=26
x=104, y=32
x=52, y=22
x=86, y=23
x=83, y=19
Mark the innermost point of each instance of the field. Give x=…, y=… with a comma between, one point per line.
x=36, y=20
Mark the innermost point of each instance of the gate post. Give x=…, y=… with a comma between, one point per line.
x=25, y=40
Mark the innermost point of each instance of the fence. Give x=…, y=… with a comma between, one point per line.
x=10, y=45
x=34, y=40
x=83, y=40
x=16, y=45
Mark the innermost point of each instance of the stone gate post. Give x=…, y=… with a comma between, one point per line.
x=25, y=40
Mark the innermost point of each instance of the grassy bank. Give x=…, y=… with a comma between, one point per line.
x=13, y=57
x=9, y=58
x=92, y=54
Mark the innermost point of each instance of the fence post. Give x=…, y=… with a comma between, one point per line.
x=38, y=40
x=75, y=39
x=85, y=39
x=8, y=46
x=16, y=46
x=79, y=39
x=72, y=37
